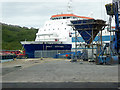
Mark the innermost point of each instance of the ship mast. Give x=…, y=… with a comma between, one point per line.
x=69, y=7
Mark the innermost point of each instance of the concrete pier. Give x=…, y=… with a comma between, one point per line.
x=58, y=73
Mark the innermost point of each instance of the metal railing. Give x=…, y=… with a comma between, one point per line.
x=49, y=53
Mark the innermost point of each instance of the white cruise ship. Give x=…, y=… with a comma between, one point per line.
x=56, y=34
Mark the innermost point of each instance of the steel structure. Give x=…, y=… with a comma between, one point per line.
x=113, y=9
x=114, y=45
x=88, y=29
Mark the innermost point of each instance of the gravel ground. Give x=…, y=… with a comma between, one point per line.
x=18, y=64
x=58, y=73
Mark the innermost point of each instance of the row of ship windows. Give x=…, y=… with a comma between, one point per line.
x=63, y=18
x=65, y=29
x=50, y=24
x=55, y=29
x=52, y=29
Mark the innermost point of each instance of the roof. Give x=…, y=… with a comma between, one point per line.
x=61, y=15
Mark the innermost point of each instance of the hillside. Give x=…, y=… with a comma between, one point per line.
x=12, y=35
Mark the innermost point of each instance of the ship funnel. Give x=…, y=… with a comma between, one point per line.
x=88, y=29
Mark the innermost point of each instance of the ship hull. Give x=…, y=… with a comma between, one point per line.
x=31, y=48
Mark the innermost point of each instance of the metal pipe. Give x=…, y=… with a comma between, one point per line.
x=101, y=37
x=75, y=45
x=110, y=26
x=92, y=45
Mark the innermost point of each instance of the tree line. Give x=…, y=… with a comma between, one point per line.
x=12, y=35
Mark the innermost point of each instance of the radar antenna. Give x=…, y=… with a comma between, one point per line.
x=69, y=6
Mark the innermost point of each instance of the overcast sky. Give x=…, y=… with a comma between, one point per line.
x=33, y=13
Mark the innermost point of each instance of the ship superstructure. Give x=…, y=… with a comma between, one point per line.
x=54, y=35
x=57, y=29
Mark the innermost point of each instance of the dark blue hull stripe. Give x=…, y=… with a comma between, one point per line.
x=31, y=48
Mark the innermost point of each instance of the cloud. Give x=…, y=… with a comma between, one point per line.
x=56, y=0
x=35, y=12
x=31, y=21
x=25, y=11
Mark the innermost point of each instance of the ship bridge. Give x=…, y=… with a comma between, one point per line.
x=68, y=16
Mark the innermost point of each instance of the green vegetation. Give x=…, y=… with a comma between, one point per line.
x=12, y=35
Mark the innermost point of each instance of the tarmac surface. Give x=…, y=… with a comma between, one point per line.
x=58, y=73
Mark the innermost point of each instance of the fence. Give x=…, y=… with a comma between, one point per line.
x=85, y=54
x=49, y=53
